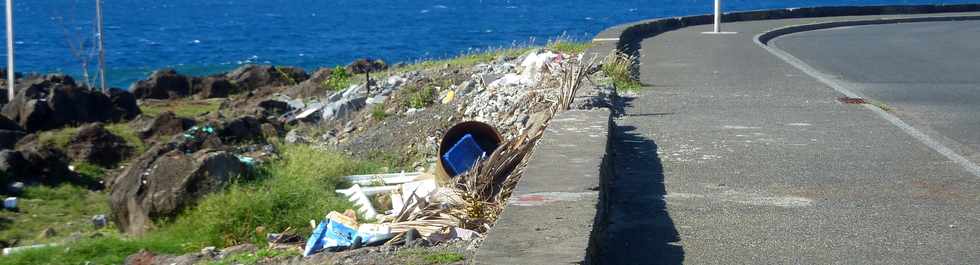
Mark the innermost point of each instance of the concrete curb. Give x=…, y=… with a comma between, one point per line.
x=628, y=36
x=570, y=161
x=764, y=38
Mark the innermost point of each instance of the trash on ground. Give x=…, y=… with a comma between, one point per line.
x=449, y=97
x=462, y=155
x=12, y=250
x=99, y=221
x=10, y=203
x=385, y=179
x=362, y=202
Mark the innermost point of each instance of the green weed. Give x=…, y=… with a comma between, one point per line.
x=422, y=97
x=339, y=79
x=378, y=112
x=619, y=68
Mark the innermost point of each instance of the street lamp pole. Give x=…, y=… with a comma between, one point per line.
x=10, y=50
x=98, y=15
x=717, y=27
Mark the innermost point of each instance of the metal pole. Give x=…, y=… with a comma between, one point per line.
x=98, y=15
x=10, y=50
x=717, y=16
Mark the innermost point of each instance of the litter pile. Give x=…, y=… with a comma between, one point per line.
x=476, y=169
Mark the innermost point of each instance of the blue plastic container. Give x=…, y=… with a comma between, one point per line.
x=463, y=155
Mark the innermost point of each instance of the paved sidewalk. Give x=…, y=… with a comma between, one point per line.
x=760, y=164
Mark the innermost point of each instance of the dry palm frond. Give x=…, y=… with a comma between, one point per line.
x=571, y=75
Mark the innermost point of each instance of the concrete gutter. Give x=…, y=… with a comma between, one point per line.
x=556, y=215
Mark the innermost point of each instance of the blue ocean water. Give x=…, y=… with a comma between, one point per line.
x=209, y=36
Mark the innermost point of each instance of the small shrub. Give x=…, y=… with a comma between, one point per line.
x=378, y=112
x=89, y=171
x=619, y=68
x=423, y=97
x=339, y=79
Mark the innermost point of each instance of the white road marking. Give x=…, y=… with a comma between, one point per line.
x=967, y=165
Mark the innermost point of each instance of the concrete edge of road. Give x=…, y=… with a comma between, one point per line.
x=764, y=38
x=557, y=213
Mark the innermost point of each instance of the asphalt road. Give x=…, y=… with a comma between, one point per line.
x=731, y=155
x=927, y=72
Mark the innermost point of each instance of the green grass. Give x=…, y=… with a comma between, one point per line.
x=67, y=209
x=423, y=256
x=286, y=193
x=466, y=60
x=339, y=79
x=421, y=97
x=182, y=108
x=58, y=138
x=378, y=112
x=129, y=134
x=619, y=69
x=89, y=171
x=289, y=193
x=568, y=46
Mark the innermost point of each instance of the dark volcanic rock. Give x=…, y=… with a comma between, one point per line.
x=7, y=124
x=10, y=133
x=274, y=107
x=124, y=104
x=13, y=165
x=214, y=87
x=312, y=86
x=250, y=77
x=47, y=165
x=242, y=129
x=166, y=123
x=9, y=138
x=53, y=101
x=162, y=84
x=94, y=144
x=164, y=180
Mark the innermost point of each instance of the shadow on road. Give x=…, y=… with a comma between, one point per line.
x=639, y=228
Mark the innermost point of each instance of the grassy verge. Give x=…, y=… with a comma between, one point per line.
x=182, y=108
x=287, y=193
x=428, y=257
x=466, y=60
x=66, y=209
x=568, y=46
